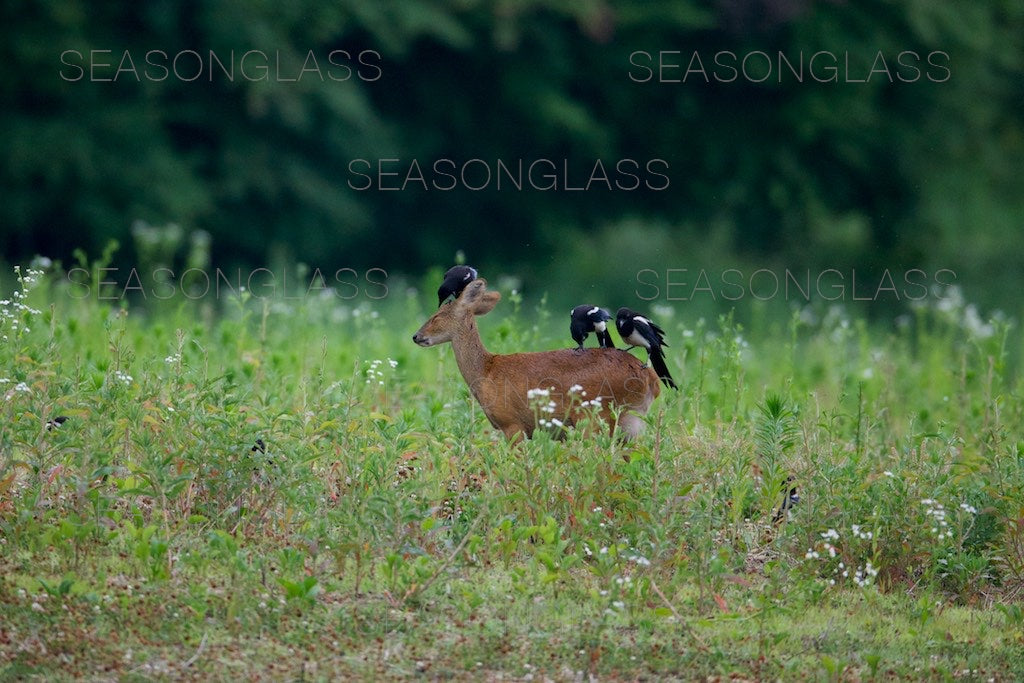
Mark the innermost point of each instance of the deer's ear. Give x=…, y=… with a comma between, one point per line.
x=486, y=302
x=477, y=299
x=472, y=292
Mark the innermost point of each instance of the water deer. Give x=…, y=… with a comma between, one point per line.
x=623, y=387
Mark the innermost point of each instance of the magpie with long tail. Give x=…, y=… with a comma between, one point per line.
x=455, y=280
x=636, y=330
x=586, y=319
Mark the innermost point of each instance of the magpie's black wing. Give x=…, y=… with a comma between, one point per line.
x=658, y=332
x=580, y=324
x=652, y=333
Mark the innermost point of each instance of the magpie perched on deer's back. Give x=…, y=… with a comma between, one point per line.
x=636, y=330
x=586, y=319
x=455, y=280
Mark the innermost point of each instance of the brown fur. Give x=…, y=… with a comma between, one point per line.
x=500, y=382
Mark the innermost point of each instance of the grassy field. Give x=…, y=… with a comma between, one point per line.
x=384, y=530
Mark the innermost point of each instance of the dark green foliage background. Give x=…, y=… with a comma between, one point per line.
x=794, y=174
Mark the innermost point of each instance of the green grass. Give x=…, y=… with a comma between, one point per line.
x=387, y=531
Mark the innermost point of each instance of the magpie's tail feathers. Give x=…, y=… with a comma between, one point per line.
x=604, y=340
x=658, y=363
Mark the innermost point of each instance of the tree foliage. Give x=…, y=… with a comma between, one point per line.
x=892, y=171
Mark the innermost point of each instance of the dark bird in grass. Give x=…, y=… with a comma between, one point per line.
x=586, y=319
x=455, y=280
x=56, y=422
x=636, y=330
x=790, y=498
x=264, y=463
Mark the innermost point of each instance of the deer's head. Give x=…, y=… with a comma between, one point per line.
x=456, y=316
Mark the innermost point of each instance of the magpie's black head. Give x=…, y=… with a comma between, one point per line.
x=455, y=280
x=464, y=273
x=789, y=483
x=624, y=314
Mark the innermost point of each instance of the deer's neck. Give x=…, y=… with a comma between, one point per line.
x=470, y=354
